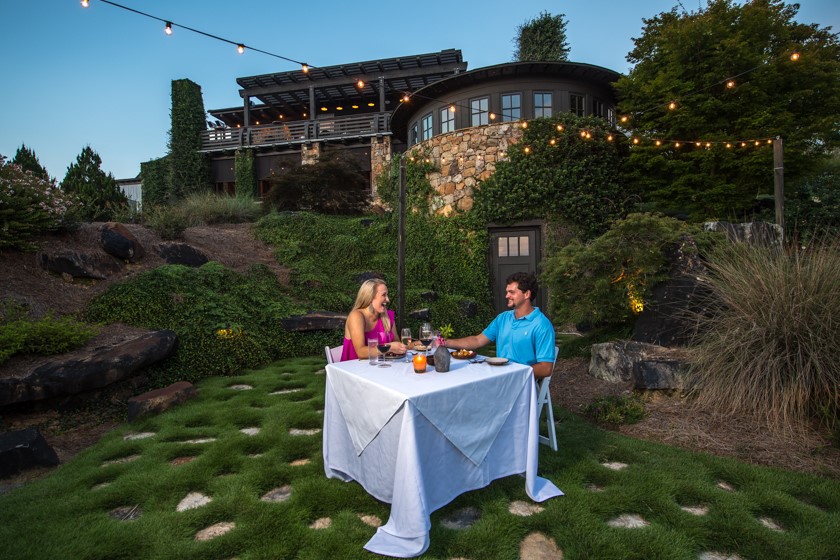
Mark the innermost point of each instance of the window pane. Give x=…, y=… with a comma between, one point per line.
x=523, y=246
x=542, y=104
x=513, y=243
x=503, y=246
x=511, y=107
x=479, y=111
x=447, y=120
x=577, y=104
x=427, y=126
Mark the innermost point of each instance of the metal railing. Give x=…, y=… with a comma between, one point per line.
x=295, y=132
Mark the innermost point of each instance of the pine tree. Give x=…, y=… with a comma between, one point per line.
x=100, y=196
x=28, y=161
x=542, y=39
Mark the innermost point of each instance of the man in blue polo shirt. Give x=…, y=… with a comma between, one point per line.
x=522, y=334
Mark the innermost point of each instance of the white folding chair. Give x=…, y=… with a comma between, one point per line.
x=544, y=400
x=333, y=354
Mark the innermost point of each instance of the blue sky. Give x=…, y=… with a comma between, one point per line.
x=100, y=76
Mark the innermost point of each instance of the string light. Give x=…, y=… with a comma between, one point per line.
x=360, y=84
x=304, y=68
x=85, y=3
x=730, y=84
x=168, y=28
x=240, y=48
x=794, y=56
x=672, y=105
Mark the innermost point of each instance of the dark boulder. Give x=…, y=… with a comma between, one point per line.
x=159, y=400
x=117, y=241
x=24, y=449
x=468, y=308
x=181, y=253
x=79, y=265
x=429, y=296
x=421, y=314
x=314, y=321
x=88, y=369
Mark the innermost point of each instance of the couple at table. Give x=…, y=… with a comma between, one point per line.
x=523, y=334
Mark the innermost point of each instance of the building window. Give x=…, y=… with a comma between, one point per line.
x=577, y=104
x=479, y=111
x=511, y=107
x=447, y=120
x=412, y=135
x=516, y=246
x=598, y=108
x=611, y=116
x=542, y=104
x=426, y=126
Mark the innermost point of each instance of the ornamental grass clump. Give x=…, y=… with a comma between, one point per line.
x=767, y=343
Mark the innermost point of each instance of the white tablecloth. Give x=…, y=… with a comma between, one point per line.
x=417, y=441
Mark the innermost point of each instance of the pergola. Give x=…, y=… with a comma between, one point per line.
x=375, y=86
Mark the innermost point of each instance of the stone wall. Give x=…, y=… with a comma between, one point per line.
x=310, y=154
x=380, y=158
x=464, y=157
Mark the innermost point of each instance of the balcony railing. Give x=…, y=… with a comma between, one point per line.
x=295, y=132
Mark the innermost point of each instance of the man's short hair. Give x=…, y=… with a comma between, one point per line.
x=525, y=281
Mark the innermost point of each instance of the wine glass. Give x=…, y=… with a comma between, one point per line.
x=426, y=335
x=383, y=346
x=405, y=336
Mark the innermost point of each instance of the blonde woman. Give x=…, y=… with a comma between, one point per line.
x=370, y=317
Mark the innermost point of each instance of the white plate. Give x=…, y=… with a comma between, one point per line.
x=497, y=361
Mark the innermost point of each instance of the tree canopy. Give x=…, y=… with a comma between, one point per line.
x=542, y=39
x=690, y=59
x=28, y=161
x=100, y=196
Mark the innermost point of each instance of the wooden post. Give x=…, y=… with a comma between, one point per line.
x=779, y=182
x=401, y=249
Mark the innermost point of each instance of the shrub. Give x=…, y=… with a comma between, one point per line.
x=208, y=208
x=167, y=221
x=46, y=336
x=768, y=343
x=29, y=205
x=607, y=281
x=625, y=409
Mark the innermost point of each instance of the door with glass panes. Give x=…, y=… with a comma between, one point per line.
x=513, y=249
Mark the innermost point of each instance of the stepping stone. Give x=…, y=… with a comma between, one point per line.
x=215, y=530
x=594, y=488
x=725, y=486
x=278, y=494
x=141, y=435
x=286, y=391
x=717, y=556
x=696, y=510
x=321, y=371
x=537, y=546
x=255, y=455
x=299, y=462
x=771, y=524
x=193, y=500
x=299, y=432
x=200, y=440
x=121, y=460
x=250, y=431
x=615, y=466
x=178, y=461
x=371, y=520
x=126, y=513
x=461, y=519
x=241, y=387
x=628, y=521
x=101, y=485
x=322, y=523
x=524, y=509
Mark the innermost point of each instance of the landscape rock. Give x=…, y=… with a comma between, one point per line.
x=88, y=369
x=181, y=253
x=159, y=400
x=79, y=265
x=751, y=232
x=314, y=321
x=615, y=361
x=117, y=241
x=421, y=314
x=468, y=308
x=429, y=296
x=24, y=449
x=660, y=374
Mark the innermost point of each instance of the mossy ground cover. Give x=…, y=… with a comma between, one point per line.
x=67, y=514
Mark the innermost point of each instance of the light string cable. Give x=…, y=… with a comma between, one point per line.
x=241, y=47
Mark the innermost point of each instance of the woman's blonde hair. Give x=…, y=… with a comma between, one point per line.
x=367, y=291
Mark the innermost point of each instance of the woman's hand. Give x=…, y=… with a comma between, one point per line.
x=397, y=347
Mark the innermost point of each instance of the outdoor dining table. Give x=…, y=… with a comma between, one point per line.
x=417, y=441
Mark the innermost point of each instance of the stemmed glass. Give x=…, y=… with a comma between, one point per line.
x=383, y=346
x=426, y=335
x=405, y=336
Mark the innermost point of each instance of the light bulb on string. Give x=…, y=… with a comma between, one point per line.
x=168, y=28
x=552, y=141
x=360, y=84
x=304, y=68
x=728, y=145
x=452, y=108
x=559, y=128
x=677, y=144
x=492, y=116
x=730, y=84
x=659, y=142
x=635, y=140
x=85, y=3
x=609, y=138
x=240, y=48
x=794, y=56
x=672, y=105
x=624, y=118
x=527, y=149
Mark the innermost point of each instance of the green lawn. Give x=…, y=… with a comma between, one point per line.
x=66, y=516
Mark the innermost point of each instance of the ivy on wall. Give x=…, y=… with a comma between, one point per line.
x=189, y=167
x=558, y=174
x=245, y=173
x=155, y=177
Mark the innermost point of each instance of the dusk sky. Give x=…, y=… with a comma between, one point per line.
x=101, y=76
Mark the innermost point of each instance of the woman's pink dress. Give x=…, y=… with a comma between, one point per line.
x=348, y=352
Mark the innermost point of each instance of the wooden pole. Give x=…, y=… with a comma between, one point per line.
x=401, y=249
x=779, y=182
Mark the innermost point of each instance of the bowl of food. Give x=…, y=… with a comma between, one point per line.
x=463, y=354
x=497, y=361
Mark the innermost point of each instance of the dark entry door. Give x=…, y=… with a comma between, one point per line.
x=513, y=249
